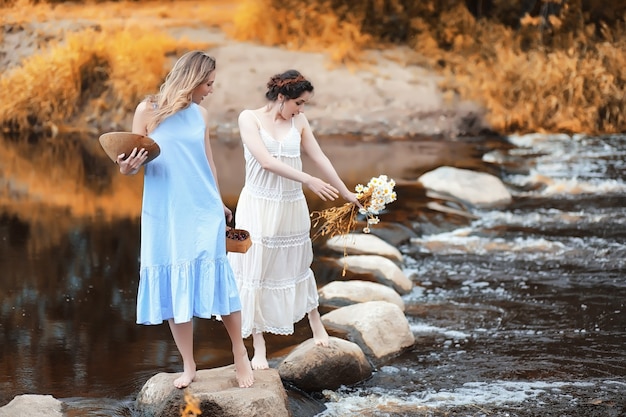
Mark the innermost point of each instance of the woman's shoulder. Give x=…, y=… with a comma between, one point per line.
x=144, y=109
x=145, y=105
x=142, y=106
x=250, y=112
x=251, y=115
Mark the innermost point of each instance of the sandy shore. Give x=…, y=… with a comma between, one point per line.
x=384, y=99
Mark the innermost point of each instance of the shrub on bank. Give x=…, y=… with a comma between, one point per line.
x=551, y=65
x=99, y=70
x=544, y=65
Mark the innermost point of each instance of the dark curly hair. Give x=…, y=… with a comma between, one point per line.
x=290, y=83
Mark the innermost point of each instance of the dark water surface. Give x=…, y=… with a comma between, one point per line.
x=517, y=313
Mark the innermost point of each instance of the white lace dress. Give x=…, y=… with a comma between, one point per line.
x=276, y=284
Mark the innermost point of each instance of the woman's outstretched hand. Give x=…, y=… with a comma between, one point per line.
x=351, y=198
x=324, y=190
x=132, y=164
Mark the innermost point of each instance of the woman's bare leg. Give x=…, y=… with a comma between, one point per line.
x=259, y=360
x=183, y=337
x=243, y=369
x=317, y=327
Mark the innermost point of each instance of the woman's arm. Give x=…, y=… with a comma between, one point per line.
x=314, y=151
x=250, y=136
x=130, y=165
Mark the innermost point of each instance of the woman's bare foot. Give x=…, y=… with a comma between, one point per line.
x=320, y=336
x=259, y=360
x=243, y=371
x=186, y=378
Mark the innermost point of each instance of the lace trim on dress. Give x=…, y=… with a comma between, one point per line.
x=276, y=284
x=285, y=241
x=274, y=194
x=280, y=331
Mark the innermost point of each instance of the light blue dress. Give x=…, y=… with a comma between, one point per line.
x=184, y=271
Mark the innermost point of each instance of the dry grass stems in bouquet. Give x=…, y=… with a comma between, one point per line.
x=342, y=220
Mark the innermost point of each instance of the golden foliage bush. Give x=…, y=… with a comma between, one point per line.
x=547, y=72
x=575, y=84
x=301, y=25
x=103, y=70
x=557, y=71
x=110, y=69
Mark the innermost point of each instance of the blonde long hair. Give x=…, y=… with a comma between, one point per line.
x=191, y=70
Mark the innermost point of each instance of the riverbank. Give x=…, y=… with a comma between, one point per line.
x=385, y=96
x=452, y=70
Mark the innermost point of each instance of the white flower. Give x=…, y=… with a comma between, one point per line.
x=380, y=193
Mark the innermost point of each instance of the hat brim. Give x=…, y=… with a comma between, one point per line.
x=116, y=143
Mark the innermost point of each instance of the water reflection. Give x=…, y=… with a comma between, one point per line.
x=516, y=308
x=69, y=252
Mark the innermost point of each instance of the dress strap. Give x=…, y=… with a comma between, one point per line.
x=257, y=119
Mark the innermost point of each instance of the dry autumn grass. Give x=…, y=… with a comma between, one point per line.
x=567, y=78
x=105, y=68
x=576, y=87
x=557, y=73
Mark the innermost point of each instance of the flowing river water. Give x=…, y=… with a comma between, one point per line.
x=517, y=312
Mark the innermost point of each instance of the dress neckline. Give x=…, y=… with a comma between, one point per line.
x=283, y=140
x=263, y=130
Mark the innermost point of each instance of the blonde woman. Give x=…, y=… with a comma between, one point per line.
x=276, y=283
x=184, y=272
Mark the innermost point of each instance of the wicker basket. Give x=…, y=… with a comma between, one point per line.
x=237, y=240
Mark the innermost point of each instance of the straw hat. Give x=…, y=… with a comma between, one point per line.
x=115, y=143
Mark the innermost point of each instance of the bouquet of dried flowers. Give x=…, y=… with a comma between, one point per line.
x=342, y=220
